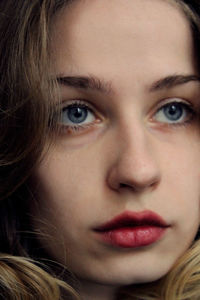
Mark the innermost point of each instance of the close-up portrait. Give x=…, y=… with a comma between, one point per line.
x=99, y=149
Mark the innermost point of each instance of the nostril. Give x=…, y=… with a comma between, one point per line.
x=123, y=185
x=138, y=187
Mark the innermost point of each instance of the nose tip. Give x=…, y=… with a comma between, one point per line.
x=135, y=164
x=137, y=177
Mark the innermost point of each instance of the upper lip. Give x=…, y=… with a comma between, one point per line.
x=130, y=218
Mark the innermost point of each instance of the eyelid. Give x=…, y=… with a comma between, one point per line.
x=166, y=101
x=76, y=129
x=67, y=103
x=82, y=102
x=188, y=107
x=161, y=103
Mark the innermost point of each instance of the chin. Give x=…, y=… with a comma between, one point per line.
x=126, y=278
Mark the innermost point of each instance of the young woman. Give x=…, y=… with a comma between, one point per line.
x=100, y=143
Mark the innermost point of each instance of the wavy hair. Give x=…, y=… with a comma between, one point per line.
x=26, y=125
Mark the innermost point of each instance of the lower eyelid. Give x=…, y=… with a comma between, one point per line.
x=80, y=129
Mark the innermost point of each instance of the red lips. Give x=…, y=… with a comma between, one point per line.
x=132, y=229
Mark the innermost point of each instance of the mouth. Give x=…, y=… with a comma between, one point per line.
x=132, y=229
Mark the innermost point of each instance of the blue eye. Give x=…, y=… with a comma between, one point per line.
x=174, y=112
x=77, y=114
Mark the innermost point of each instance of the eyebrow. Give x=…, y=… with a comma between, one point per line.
x=93, y=83
x=86, y=83
x=172, y=81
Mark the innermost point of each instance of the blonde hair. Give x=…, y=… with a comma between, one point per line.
x=26, y=95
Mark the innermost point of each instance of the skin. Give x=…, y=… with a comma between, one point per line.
x=131, y=157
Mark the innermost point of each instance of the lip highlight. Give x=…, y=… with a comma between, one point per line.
x=132, y=229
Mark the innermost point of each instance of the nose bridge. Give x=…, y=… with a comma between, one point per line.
x=137, y=149
x=135, y=163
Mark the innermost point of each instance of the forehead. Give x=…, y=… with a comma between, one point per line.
x=140, y=32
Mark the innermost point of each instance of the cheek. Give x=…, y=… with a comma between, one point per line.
x=66, y=197
x=182, y=184
x=67, y=188
x=178, y=193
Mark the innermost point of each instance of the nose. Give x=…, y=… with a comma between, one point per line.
x=135, y=163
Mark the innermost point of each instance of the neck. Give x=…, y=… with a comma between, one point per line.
x=91, y=291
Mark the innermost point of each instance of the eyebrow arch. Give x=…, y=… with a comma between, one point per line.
x=95, y=84
x=86, y=83
x=172, y=81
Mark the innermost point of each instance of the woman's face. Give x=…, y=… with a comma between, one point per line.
x=129, y=144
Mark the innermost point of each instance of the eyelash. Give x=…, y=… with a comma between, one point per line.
x=78, y=128
x=187, y=108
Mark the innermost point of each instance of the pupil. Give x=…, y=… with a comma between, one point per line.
x=173, y=111
x=77, y=114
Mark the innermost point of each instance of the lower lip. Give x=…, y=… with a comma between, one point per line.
x=132, y=237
